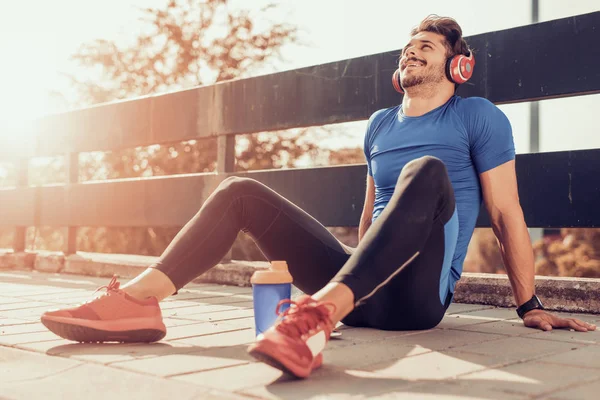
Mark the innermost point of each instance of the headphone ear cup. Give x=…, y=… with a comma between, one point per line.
x=459, y=68
x=396, y=81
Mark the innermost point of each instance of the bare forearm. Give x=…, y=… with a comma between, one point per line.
x=365, y=223
x=517, y=254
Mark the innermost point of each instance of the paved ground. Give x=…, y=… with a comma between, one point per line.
x=476, y=352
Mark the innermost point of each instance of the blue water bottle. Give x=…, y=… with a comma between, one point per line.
x=269, y=287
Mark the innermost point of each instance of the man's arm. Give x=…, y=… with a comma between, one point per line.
x=501, y=198
x=367, y=213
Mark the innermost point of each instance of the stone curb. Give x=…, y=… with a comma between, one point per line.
x=561, y=294
x=556, y=293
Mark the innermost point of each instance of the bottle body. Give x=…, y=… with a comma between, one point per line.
x=269, y=287
x=266, y=297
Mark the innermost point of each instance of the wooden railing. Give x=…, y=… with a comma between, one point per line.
x=554, y=59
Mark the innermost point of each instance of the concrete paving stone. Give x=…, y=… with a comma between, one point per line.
x=169, y=305
x=18, y=365
x=241, y=323
x=173, y=322
x=587, y=356
x=566, y=335
x=232, y=298
x=432, y=366
x=31, y=314
x=11, y=300
x=177, y=364
x=457, y=320
x=49, y=294
x=364, y=354
x=27, y=338
x=492, y=313
x=371, y=335
x=235, y=338
x=202, y=328
x=504, y=327
x=13, y=321
x=518, y=348
x=22, y=328
x=325, y=383
x=68, y=296
x=591, y=318
x=43, y=347
x=458, y=308
x=447, y=390
x=588, y=391
x=21, y=291
x=22, y=306
x=72, y=301
x=530, y=378
x=202, y=308
x=220, y=289
x=93, y=382
x=224, y=315
x=107, y=353
x=439, y=339
x=234, y=378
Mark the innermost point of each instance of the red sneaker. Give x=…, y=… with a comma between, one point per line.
x=294, y=344
x=113, y=317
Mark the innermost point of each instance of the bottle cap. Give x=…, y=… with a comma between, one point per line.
x=277, y=273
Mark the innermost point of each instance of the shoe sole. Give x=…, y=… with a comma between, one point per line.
x=273, y=362
x=262, y=357
x=86, y=334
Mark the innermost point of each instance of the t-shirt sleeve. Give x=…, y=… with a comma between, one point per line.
x=490, y=134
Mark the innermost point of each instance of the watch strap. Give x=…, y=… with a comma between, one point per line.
x=533, y=304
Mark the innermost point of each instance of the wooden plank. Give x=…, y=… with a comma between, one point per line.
x=556, y=189
x=17, y=207
x=540, y=61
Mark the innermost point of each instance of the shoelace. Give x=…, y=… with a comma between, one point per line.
x=112, y=285
x=302, y=318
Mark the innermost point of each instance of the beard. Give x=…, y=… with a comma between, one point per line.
x=424, y=77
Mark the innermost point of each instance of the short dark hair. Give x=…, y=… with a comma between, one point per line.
x=447, y=27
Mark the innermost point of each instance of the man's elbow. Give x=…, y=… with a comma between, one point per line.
x=502, y=219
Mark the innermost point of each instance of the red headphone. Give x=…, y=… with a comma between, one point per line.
x=459, y=69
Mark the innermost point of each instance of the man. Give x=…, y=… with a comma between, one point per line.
x=431, y=161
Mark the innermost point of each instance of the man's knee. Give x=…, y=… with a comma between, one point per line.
x=238, y=185
x=427, y=172
x=426, y=167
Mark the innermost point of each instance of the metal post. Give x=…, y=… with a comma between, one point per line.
x=534, y=124
x=72, y=169
x=534, y=110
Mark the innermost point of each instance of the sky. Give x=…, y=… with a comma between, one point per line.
x=37, y=38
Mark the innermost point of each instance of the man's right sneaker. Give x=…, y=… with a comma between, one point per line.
x=294, y=344
x=113, y=317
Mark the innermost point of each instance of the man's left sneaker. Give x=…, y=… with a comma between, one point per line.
x=113, y=317
x=294, y=344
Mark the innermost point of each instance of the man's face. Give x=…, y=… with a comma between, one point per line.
x=423, y=60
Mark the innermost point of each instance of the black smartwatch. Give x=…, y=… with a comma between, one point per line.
x=533, y=304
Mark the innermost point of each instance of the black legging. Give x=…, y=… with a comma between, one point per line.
x=413, y=221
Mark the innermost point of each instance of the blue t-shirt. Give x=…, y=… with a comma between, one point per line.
x=469, y=135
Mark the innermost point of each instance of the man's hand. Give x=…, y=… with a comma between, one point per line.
x=545, y=321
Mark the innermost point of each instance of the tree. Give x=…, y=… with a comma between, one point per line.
x=188, y=43
x=184, y=44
